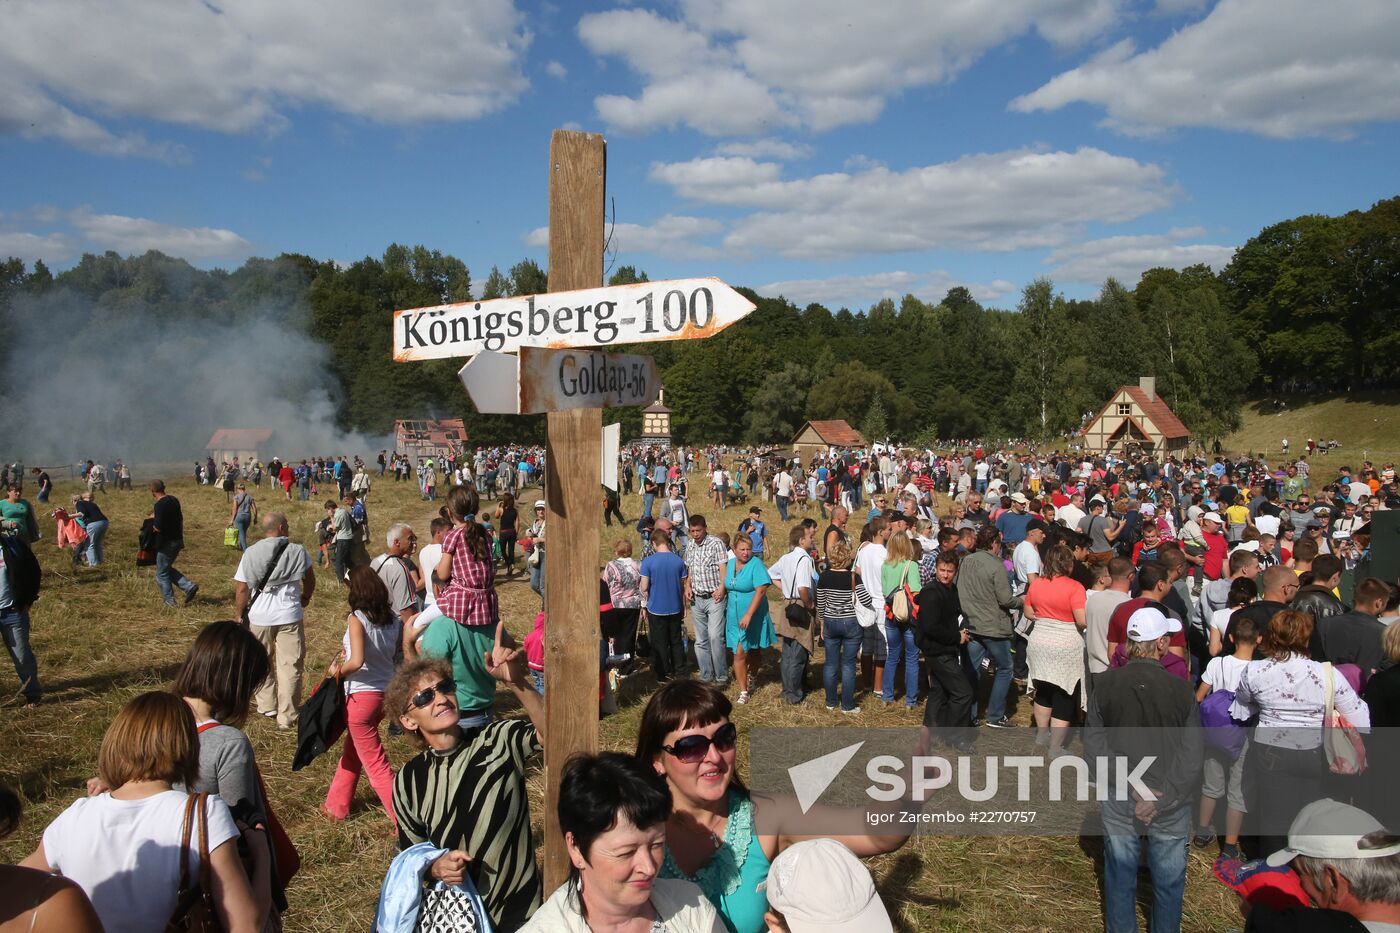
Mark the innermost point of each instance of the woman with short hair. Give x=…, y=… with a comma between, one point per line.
x=123, y=846
x=623, y=577
x=612, y=812
x=465, y=791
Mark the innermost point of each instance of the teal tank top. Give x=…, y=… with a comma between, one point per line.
x=735, y=879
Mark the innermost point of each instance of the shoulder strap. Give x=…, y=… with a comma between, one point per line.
x=272, y=566
x=185, y=841
x=206, y=873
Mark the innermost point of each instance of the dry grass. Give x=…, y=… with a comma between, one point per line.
x=1366, y=423
x=101, y=636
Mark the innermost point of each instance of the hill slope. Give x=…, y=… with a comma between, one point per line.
x=1366, y=423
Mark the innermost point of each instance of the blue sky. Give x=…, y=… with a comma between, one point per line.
x=820, y=149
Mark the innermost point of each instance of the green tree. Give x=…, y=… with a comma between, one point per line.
x=873, y=426
x=496, y=285
x=627, y=275
x=527, y=278
x=776, y=408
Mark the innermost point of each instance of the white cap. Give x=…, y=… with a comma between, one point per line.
x=819, y=886
x=539, y=503
x=1019, y=499
x=1213, y=517
x=1099, y=499
x=1329, y=829
x=1148, y=624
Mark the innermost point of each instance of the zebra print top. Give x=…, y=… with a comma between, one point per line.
x=473, y=798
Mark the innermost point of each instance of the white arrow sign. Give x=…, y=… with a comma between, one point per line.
x=541, y=380
x=680, y=309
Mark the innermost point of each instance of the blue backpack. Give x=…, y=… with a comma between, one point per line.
x=1222, y=731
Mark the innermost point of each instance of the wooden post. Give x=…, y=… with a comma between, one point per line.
x=577, y=173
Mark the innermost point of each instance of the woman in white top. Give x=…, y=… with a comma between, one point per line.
x=366, y=664
x=122, y=847
x=612, y=811
x=1285, y=769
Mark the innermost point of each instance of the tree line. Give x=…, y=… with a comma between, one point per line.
x=1309, y=304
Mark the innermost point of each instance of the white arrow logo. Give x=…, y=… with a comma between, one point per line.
x=811, y=778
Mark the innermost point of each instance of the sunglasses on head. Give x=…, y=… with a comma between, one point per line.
x=447, y=688
x=693, y=748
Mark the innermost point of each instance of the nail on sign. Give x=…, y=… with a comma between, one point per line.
x=541, y=380
x=680, y=309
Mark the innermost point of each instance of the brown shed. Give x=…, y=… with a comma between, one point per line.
x=823, y=438
x=1136, y=418
x=416, y=439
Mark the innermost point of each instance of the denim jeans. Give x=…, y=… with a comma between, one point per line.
x=241, y=523
x=792, y=665
x=782, y=507
x=15, y=626
x=537, y=572
x=902, y=647
x=1166, y=862
x=648, y=500
x=166, y=574
x=710, y=654
x=842, y=640
x=96, y=532
x=303, y=491
x=999, y=649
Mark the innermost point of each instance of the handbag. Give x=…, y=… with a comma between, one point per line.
x=900, y=606
x=447, y=908
x=642, y=643
x=194, y=906
x=1341, y=742
x=231, y=536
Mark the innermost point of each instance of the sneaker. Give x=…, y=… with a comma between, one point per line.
x=1205, y=835
x=831, y=706
x=743, y=697
x=1002, y=723
x=852, y=711
x=271, y=714
x=191, y=594
x=1230, y=850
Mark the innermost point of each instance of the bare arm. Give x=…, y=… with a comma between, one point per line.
x=356, y=658
x=240, y=598
x=308, y=586
x=760, y=594
x=233, y=896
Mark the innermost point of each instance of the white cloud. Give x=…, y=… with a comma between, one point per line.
x=860, y=291
x=766, y=149
x=1126, y=258
x=52, y=248
x=672, y=236
x=245, y=66
x=738, y=67
x=556, y=70
x=1279, y=68
x=998, y=201
x=138, y=234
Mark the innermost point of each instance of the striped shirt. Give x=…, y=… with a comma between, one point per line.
x=705, y=562
x=836, y=597
x=473, y=798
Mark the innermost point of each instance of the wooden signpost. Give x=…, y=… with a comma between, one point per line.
x=576, y=313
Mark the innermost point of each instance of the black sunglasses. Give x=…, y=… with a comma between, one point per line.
x=692, y=748
x=448, y=688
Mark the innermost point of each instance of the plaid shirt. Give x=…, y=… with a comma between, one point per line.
x=705, y=562
x=469, y=597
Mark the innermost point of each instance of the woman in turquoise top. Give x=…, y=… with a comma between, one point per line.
x=747, y=625
x=711, y=836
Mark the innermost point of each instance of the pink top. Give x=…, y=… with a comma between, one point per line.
x=469, y=596
x=1056, y=599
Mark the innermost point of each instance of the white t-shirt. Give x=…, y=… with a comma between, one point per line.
x=381, y=642
x=1071, y=515
x=1357, y=490
x=783, y=484
x=870, y=561
x=982, y=470
x=1220, y=621
x=125, y=854
x=717, y=477
x=1267, y=524
x=1026, y=561
x=428, y=557
x=277, y=605
x=1224, y=672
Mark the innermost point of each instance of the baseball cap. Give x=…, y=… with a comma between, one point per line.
x=755, y=510
x=819, y=885
x=1020, y=499
x=539, y=503
x=1148, y=624
x=1330, y=829
x=1213, y=517
x=1099, y=499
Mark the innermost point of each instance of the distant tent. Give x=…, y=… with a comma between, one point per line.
x=822, y=438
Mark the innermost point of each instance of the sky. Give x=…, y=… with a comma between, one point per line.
x=821, y=150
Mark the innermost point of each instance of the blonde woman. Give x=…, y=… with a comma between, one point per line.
x=900, y=569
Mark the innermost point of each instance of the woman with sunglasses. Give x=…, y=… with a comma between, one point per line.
x=465, y=792
x=712, y=838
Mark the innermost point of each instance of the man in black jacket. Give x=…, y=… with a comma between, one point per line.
x=940, y=637
x=169, y=528
x=1143, y=713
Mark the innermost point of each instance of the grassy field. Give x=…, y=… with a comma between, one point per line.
x=102, y=636
x=1366, y=423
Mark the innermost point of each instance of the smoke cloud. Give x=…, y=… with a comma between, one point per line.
x=84, y=381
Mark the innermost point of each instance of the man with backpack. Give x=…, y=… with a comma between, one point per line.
x=20, y=578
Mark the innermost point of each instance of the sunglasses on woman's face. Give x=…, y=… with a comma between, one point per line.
x=447, y=688
x=693, y=748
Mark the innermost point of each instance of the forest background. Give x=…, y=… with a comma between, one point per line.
x=1309, y=305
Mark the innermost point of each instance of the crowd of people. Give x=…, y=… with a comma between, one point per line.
x=1109, y=592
